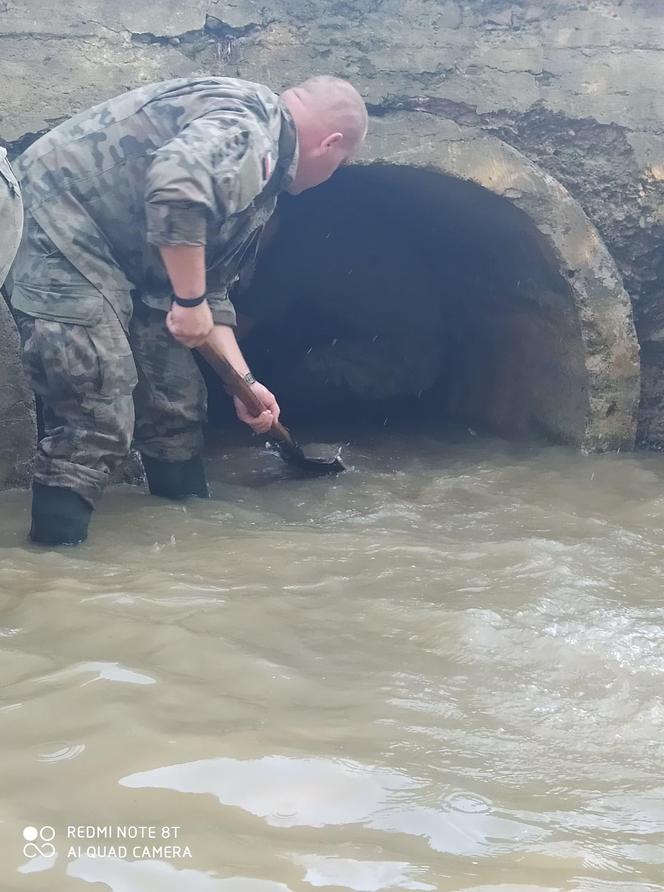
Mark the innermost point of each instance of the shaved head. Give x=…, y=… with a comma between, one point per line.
x=338, y=105
x=331, y=121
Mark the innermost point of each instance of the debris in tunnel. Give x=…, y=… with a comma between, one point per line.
x=372, y=368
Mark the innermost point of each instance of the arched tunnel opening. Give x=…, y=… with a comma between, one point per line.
x=393, y=294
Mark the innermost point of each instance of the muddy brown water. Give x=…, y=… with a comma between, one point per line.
x=441, y=671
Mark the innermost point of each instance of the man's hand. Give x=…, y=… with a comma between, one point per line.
x=263, y=422
x=190, y=325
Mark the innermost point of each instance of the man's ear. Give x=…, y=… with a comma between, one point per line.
x=331, y=140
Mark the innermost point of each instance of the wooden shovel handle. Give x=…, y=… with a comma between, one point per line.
x=235, y=385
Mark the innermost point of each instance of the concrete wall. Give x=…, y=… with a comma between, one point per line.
x=574, y=85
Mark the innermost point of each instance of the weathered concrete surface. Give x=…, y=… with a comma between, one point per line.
x=574, y=85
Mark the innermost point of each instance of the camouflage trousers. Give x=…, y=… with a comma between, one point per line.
x=101, y=386
x=11, y=215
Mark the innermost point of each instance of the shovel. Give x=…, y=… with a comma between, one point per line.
x=328, y=458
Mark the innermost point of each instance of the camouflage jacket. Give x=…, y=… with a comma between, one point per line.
x=186, y=161
x=11, y=215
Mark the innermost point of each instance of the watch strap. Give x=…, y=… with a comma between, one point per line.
x=189, y=301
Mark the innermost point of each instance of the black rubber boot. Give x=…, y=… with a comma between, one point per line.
x=59, y=516
x=176, y=479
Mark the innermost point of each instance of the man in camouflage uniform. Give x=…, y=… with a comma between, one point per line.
x=11, y=215
x=139, y=214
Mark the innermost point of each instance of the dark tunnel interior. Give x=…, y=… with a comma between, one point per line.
x=393, y=294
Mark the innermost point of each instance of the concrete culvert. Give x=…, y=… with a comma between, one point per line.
x=404, y=286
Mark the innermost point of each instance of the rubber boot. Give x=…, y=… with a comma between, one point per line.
x=176, y=479
x=59, y=516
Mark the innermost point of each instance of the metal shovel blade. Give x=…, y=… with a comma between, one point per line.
x=318, y=460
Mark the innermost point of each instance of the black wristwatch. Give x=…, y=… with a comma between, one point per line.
x=188, y=301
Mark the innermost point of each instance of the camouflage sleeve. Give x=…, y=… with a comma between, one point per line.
x=223, y=311
x=211, y=170
x=11, y=215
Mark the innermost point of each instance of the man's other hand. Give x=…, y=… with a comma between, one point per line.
x=190, y=325
x=262, y=423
